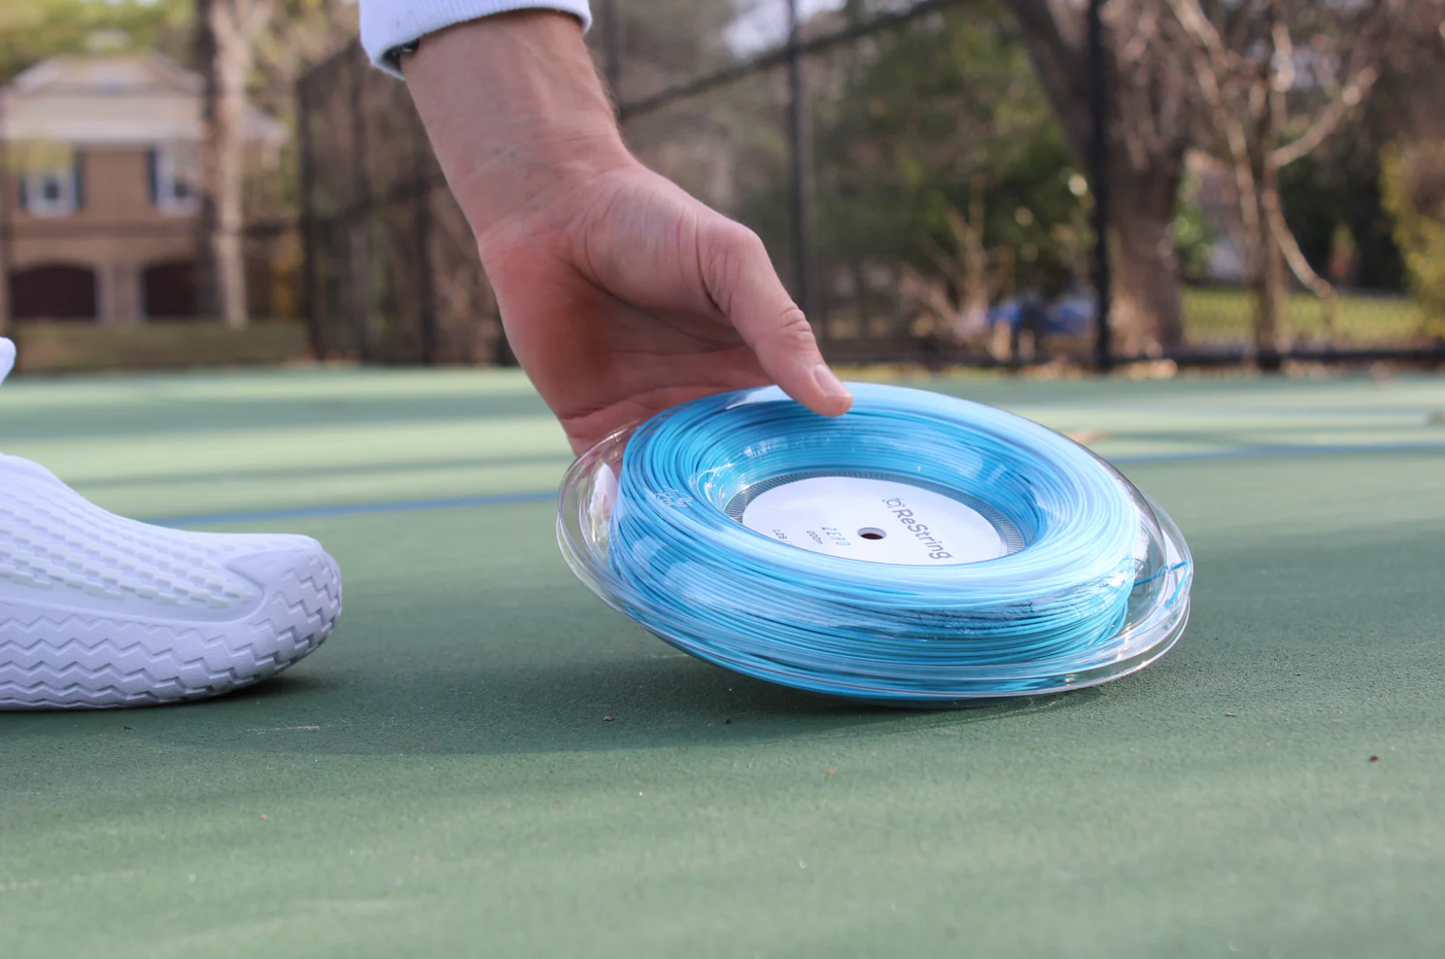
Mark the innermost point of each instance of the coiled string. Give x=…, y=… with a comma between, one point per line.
x=702, y=580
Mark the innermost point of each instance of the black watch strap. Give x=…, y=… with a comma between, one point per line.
x=394, y=55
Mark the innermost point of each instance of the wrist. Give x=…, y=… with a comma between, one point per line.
x=516, y=113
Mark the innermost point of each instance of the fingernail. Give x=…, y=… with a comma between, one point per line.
x=829, y=383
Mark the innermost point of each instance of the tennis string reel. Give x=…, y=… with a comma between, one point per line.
x=919, y=550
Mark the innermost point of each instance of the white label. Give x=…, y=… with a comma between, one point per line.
x=874, y=520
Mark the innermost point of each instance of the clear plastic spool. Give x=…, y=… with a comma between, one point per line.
x=850, y=512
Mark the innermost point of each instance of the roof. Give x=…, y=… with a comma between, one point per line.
x=119, y=98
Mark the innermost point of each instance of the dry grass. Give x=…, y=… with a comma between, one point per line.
x=60, y=347
x=1222, y=316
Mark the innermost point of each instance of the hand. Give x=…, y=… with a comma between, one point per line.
x=621, y=295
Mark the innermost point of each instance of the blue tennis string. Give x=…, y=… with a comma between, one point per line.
x=699, y=578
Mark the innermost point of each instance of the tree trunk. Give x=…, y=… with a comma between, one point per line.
x=1272, y=314
x=208, y=298
x=1147, y=314
x=227, y=248
x=1144, y=171
x=1272, y=282
x=225, y=48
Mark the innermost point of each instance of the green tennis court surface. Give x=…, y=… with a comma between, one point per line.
x=442, y=779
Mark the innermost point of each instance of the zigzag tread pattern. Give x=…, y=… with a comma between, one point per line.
x=50, y=660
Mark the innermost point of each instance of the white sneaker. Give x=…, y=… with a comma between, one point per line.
x=97, y=610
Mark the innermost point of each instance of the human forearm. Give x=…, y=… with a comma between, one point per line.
x=515, y=112
x=621, y=294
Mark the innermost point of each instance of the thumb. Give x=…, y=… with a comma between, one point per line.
x=741, y=280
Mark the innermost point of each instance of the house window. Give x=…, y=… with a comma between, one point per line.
x=174, y=176
x=52, y=192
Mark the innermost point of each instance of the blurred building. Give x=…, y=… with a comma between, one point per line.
x=98, y=218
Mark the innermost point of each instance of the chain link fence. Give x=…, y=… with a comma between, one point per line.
x=898, y=157
x=391, y=272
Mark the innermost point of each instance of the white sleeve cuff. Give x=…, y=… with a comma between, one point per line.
x=388, y=24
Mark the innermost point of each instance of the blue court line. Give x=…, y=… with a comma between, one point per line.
x=1252, y=452
x=538, y=496
x=357, y=509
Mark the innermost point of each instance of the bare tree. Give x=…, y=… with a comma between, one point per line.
x=1249, y=62
x=226, y=33
x=1151, y=126
x=951, y=302
x=964, y=268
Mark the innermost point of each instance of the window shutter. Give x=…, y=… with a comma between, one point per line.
x=152, y=172
x=24, y=192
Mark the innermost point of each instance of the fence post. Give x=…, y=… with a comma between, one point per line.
x=801, y=139
x=7, y=192
x=358, y=218
x=1099, y=175
x=310, y=301
x=421, y=202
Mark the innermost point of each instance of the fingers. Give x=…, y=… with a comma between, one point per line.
x=742, y=282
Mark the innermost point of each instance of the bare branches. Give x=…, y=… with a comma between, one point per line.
x=1059, y=32
x=966, y=267
x=1152, y=95
x=1055, y=43
x=235, y=20
x=1233, y=77
x=1330, y=118
x=1201, y=29
x=1366, y=50
x=1273, y=81
x=1284, y=65
x=1211, y=60
x=1294, y=256
x=1246, y=76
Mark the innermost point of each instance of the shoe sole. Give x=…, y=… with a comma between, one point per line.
x=53, y=658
